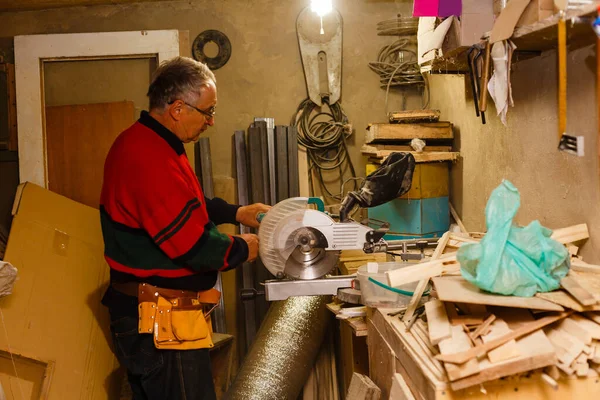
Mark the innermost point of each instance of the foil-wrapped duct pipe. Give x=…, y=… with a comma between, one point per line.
x=284, y=350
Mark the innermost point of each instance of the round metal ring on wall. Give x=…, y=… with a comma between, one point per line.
x=222, y=43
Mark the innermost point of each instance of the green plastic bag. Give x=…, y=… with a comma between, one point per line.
x=513, y=260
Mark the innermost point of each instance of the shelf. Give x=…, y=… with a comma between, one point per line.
x=531, y=40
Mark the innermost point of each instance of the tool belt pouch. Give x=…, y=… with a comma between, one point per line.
x=177, y=318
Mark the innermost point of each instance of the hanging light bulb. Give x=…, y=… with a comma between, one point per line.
x=321, y=7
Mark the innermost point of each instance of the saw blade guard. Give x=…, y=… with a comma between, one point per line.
x=281, y=233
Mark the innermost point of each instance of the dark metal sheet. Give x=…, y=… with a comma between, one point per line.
x=294, y=180
x=281, y=156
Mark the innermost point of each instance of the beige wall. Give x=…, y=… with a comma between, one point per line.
x=556, y=188
x=264, y=76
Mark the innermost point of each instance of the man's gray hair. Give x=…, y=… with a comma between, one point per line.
x=179, y=78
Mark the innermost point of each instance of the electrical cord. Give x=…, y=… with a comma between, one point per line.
x=324, y=131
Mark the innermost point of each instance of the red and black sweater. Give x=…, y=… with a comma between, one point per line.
x=157, y=226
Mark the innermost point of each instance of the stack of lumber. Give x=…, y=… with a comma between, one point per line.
x=468, y=337
x=351, y=260
x=383, y=139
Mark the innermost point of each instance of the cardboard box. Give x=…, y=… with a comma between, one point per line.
x=54, y=318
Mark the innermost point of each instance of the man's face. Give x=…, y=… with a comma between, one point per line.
x=196, y=118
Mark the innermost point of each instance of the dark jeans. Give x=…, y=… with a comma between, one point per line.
x=160, y=374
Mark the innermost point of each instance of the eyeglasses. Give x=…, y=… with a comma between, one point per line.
x=210, y=113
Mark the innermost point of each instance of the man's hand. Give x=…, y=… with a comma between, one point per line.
x=248, y=215
x=252, y=241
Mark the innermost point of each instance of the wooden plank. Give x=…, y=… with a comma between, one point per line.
x=581, y=295
x=457, y=343
x=590, y=326
x=458, y=290
x=437, y=321
x=78, y=138
x=425, y=270
x=424, y=130
x=581, y=266
x=405, y=147
x=483, y=327
x=505, y=352
x=362, y=388
x=568, y=347
x=414, y=116
x=400, y=390
x=590, y=282
x=566, y=300
x=573, y=328
x=425, y=156
x=480, y=350
x=571, y=234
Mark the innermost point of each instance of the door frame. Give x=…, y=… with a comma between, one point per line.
x=32, y=51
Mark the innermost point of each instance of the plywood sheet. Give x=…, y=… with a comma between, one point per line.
x=457, y=289
x=78, y=138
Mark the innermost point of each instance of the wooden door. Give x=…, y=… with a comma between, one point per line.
x=78, y=138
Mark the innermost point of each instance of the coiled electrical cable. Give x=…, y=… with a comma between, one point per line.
x=324, y=131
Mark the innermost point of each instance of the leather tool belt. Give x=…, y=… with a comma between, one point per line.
x=178, y=319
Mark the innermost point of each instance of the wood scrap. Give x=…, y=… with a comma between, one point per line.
x=581, y=266
x=437, y=321
x=458, y=342
x=553, y=372
x=576, y=330
x=425, y=270
x=567, y=347
x=457, y=289
x=465, y=356
x=395, y=132
x=420, y=289
x=590, y=282
x=571, y=234
x=484, y=327
x=564, y=299
x=362, y=388
x=589, y=325
x=377, y=156
x=571, y=285
x=549, y=380
x=414, y=116
x=508, y=350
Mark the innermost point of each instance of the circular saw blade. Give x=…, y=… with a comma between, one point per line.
x=280, y=234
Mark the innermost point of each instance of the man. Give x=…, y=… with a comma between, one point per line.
x=159, y=229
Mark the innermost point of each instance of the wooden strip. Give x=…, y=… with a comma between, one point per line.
x=437, y=321
x=581, y=295
x=571, y=234
x=405, y=147
x=458, y=220
x=362, y=387
x=568, y=347
x=590, y=282
x=420, y=330
x=465, y=356
x=420, y=289
x=459, y=342
x=425, y=270
x=428, y=351
x=483, y=327
x=457, y=289
x=425, y=156
x=426, y=130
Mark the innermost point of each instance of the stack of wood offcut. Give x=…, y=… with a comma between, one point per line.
x=383, y=139
x=465, y=337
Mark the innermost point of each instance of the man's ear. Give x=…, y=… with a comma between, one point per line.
x=175, y=109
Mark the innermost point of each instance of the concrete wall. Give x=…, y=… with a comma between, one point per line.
x=264, y=76
x=556, y=188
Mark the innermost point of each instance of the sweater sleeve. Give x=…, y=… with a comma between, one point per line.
x=221, y=212
x=178, y=222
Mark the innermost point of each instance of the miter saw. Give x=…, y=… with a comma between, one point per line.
x=300, y=245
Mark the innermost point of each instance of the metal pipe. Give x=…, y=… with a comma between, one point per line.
x=286, y=346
